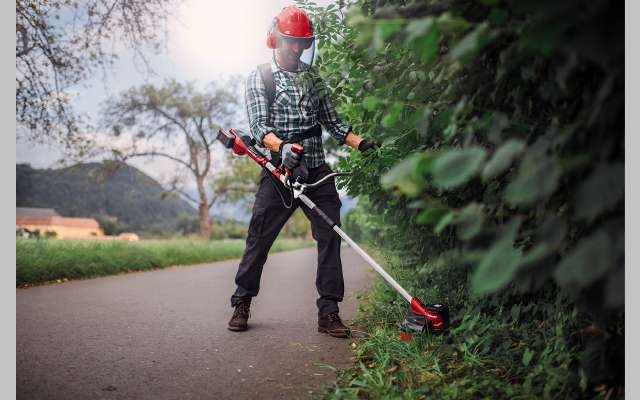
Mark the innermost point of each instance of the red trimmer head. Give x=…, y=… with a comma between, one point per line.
x=433, y=318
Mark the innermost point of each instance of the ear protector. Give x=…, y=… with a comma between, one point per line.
x=271, y=35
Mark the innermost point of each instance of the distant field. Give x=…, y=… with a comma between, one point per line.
x=39, y=261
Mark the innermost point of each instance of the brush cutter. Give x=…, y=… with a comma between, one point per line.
x=421, y=317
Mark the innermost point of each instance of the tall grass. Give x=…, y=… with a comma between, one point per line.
x=40, y=261
x=520, y=351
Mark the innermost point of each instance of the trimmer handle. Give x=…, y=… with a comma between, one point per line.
x=297, y=148
x=226, y=138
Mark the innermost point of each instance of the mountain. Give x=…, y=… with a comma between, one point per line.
x=101, y=189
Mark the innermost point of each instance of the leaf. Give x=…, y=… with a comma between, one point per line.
x=370, y=103
x=431, y=216
x=392, y=116
x=536, y=254
x=385, y=28
x=423, y=120
x=469, y=221
x=417, y=27
x=455, y=167
x=527, y=356
x=427, y=46
x=536, y=180
x=450, y=24
x=498, y=265
x=470, y=45
x=418, y=204
x=390, y=26
x=502, y=158
x=499, y=122
x=444, y=222
x=602, y=190
x=515, y=312
x=408, y=176
x=589, y=261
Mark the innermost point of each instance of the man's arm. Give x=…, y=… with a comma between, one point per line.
x=353, y=140
x=329, y=118
x=272, y=142
x=257, y=107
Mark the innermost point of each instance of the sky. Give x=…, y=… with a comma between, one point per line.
x=207, y=40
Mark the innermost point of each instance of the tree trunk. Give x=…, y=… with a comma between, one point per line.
x=203, y=210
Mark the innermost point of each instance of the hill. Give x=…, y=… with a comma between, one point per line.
x=101, y=189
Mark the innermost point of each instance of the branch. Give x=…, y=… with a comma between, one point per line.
x=159, y=154
x=200, y=130
x=25, y=41
x=170, y=118
x=185, y=194
x=229, y=190
x=214, y=198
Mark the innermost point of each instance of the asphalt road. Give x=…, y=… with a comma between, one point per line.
x=162, y=334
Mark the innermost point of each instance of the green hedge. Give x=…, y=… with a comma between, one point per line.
x=503, y=132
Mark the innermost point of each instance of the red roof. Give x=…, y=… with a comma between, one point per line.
x=63, y=221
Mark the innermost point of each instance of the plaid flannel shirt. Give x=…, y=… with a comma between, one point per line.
x=301, y=101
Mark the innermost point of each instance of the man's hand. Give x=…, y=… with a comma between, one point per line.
x=366, y=145
x=289, y=158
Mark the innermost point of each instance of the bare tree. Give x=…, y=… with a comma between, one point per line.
x=60, y=43
x=178, y=123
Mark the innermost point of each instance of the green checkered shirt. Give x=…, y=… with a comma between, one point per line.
x=301, y=101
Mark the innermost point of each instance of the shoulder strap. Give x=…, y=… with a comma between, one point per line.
x=269, y=82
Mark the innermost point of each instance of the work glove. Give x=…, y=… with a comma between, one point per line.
x=366, y=145
x=289, y=158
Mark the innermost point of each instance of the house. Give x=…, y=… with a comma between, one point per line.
x=48, y=222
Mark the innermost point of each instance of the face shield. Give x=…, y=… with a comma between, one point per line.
x=295, y=54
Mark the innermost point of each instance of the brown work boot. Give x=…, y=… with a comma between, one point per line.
x=238, y=321
x=332, y=324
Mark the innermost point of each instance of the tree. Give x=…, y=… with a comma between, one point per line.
x=60, y=43
x=175, y=122
x=236, y=183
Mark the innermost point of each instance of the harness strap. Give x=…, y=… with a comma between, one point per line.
x=269, y=82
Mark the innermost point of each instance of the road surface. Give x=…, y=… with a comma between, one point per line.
x=162, y=334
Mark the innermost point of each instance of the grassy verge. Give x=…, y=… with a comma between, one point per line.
x=496, y=348
x=39, y=261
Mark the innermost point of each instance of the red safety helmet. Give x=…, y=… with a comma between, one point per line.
x=291, y=23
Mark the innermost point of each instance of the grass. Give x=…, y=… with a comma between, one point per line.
x=497, y=347
x=39, y=261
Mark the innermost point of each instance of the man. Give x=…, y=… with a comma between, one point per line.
x=298, y=103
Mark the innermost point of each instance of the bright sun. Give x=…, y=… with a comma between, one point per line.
x=222, y=36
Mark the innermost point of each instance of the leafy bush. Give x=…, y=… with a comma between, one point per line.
x=228, y=230
x=110, y=225
x=503, y=151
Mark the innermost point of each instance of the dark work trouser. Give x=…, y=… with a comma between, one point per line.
x=268, y=218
